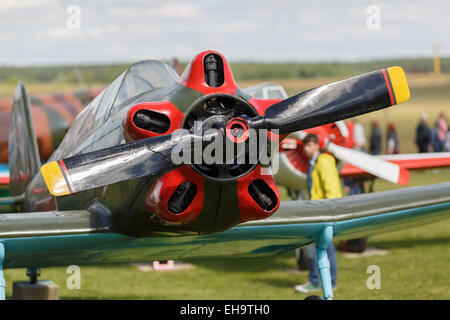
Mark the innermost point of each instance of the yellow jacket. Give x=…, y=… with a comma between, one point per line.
x=325, y=179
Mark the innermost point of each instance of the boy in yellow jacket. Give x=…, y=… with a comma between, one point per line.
x=323, y=183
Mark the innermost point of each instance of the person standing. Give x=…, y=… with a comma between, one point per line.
x=375, y=139
x=423, y=134
x=359, y=136
x=323, y=183
x=447, y=142
x=442, y=129
x=392, y=140
x=435, y=143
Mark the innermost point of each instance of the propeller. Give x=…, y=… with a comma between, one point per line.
x=336, y=101
x=133, y=160
x=152, y=156
x=375, y=166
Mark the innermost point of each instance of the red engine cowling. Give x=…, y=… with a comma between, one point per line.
x=163, y=118
x=178, y=197
x=258, y=195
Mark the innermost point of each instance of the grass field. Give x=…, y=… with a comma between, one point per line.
x=416, y=266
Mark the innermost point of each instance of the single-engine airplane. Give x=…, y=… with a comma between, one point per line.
x=113, y=193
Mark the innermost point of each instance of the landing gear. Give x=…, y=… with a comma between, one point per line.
x=33, y=274
x=354, y=245
x=2, y=278
x=323, y=241
x=314, y=298
x=35, y=289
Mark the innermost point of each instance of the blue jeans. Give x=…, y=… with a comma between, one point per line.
x=314, y=268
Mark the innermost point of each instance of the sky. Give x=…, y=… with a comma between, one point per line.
x=55, y=32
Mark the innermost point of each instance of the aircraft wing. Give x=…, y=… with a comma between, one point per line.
x=369, y=213
x=40, y=239
x=410, y=161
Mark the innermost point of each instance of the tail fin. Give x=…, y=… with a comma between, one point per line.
x=23, y=152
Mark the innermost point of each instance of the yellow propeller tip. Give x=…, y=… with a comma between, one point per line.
x=399, y=84
x=54, y=179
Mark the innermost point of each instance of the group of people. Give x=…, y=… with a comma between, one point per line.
x=436, y=139
x=428, y=139
x=375, y=141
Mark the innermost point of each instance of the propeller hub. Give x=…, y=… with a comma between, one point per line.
x=237, y=130
x=225, y=113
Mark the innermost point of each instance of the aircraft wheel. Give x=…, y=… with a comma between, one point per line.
x=314, y=298
x=357, y=245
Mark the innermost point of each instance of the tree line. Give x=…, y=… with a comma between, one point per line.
x=241, y=70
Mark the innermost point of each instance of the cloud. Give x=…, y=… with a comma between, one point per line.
x=113, y=30
x=11, y=5
x=179, y=10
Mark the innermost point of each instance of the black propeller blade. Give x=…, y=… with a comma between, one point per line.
x=128, y=161
x=336, y=101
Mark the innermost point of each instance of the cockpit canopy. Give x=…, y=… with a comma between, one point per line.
x=143, y=76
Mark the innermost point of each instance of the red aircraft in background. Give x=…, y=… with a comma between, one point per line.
x=53, y=114
x=393, y=168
